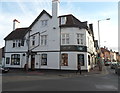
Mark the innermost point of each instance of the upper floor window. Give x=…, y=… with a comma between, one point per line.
x=80, y=39
x=43, y=39
x=15, y=59
x=33, y=40
x=17, y=43
x=44, y=22
x=65, y=39
x=63, y=20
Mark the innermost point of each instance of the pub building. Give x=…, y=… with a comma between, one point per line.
x=52, y=42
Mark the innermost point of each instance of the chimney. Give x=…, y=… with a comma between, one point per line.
x=91, y=27
x=55, y=8
x=15, y=24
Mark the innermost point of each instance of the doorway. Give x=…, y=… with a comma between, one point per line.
x=32, y=62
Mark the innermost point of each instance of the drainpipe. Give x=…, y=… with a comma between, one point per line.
x=60, y=45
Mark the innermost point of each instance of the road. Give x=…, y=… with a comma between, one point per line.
x=107, y=82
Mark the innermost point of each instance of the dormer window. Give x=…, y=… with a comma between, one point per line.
x=63, y=20
x=44, y=22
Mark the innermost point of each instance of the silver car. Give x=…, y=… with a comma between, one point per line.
x=113, y=65
x=117, y=69
x=3, y=69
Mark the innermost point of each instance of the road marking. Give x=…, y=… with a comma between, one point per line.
x=111, y=87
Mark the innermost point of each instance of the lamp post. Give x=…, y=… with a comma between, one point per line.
x=99, y=54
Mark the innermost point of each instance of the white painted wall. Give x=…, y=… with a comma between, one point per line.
x=22, y=60
x=52, y=60
x=73, y=61
x=72, y=31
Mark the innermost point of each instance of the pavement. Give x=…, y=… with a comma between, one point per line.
x=42, y=72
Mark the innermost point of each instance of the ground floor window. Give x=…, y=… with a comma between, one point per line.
x=44, y=59
x=7, y=60
x=64, y=59
x=88, y=60
x=15, y=59
x=81, y=59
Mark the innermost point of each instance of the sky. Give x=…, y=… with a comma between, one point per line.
x=27, y=11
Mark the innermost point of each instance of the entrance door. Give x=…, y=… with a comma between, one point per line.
x=32, y=62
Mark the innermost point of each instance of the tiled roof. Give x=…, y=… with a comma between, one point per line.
x=104, y=50
x=73, y=22
x=18, y=33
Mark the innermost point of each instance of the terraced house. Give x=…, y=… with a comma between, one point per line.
x=52, y=42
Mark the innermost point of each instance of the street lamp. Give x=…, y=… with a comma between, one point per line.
x=100, y=64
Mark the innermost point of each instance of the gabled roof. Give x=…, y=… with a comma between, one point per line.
x=43, y=12
x=18, y=33
x=73, y=22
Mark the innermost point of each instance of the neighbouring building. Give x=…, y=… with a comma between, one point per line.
x=52, y=42
x=109, y=55
x=2, y=56
x=105, y=54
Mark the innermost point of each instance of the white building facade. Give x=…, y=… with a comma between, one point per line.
x=52, y=42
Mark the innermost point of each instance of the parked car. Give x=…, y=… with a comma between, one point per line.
x=107, y=63
x=3, y=69
x=113, y=65
x=117, y=69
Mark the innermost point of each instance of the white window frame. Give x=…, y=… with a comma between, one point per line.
x=80, y=38
x=63, y=20
x=44, y=60
x=16, y=43
x=33, y=40
x=65, y=38
x=44, y=22
x=43, y=40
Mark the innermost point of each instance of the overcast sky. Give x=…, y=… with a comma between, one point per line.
x=26, y=12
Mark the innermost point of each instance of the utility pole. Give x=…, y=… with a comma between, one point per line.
x=28, y=51
x=99, y=54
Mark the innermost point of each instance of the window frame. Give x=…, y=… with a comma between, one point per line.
x=80, y=39
x=7, y=60
x=63, y=20
x=43, y=41
x=65, y=39
x=64, y=61
x=17, y=43
x=33, y=40
x=43, y=59
x=89, y=60
x=44, y=23
x=15, y=58
x=81, y=60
